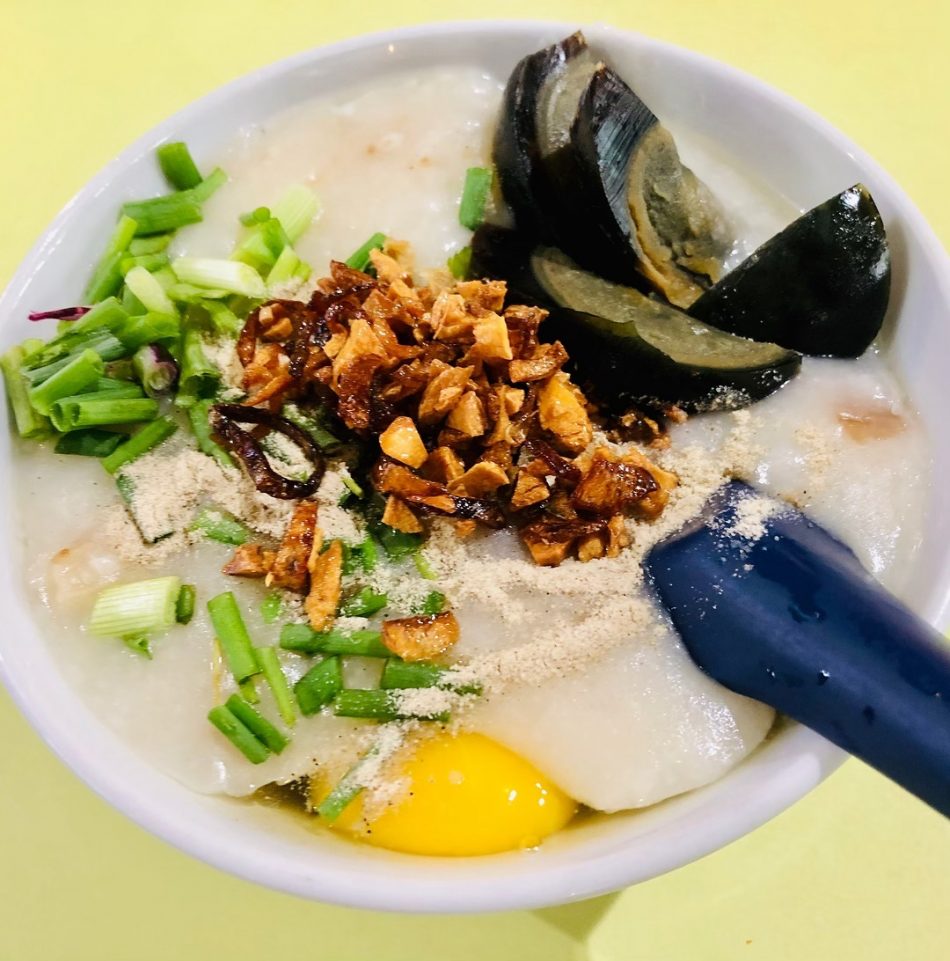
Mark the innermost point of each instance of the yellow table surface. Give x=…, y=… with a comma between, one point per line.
x=857, y=870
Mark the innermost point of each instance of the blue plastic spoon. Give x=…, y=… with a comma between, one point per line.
x=794, y=620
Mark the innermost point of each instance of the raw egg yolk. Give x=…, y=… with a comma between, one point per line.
x=466, y=795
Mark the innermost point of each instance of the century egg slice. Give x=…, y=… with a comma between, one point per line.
x=633, y=348
x=644, y=216
x=821, y=286
x=538, y=107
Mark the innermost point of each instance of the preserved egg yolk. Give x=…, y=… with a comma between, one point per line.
x=466, y=795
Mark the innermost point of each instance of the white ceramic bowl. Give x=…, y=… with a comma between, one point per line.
x=794, y=152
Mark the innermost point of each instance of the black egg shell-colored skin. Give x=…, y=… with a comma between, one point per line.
x=821, y=286
x=590, y=174
x=501, y=253
x=515, y=151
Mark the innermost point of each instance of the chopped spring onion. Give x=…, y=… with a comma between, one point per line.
x=351, y=484
x=99, y=409
x=81, y=372
x=29, y=423
x=356, y=702
x=139, y=643
x=190, y=294
x=106, y=345
x=271, y=607
x=256, y=216
x=126, y=488
x=359, y=259
x=396, y=544
x=78, y=337
x=159, y=215
x=199, y=377
x=220, y=527
x=201, y=428
x=474, y=196
x=460, y=263
x=259, y=726
x=248, y=691
x=165, y=276
x=296, y=210
x=232, y=636
x=358, y=643
x=319, y=686
x=350, y=560
x=178, y=166
x=346, y=791
x=103, y=343
x=149, y=262
x=148, y=328
x=149, y=291
x=434, y=602
x=288, y=266
x=399, y=674
x=119, y=372
x=223, y=319
x=363, y=604
x=321, y=436
x=302, y=639
x=107, y=277
x=277, y=682
x=238, y=734
x=210, y=185
x=262, y=246
x=368, y=554
x=230, y=275
x=115, y=388
x=149, y=437
x=381, y=705
x=89, y=443
x=130, y=303
x=107, y=314
x=139, y=607
x=185, y=603
x=423, y=566
x=142, y=246
x=155, y=369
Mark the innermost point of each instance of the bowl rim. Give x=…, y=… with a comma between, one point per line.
x=816, y=758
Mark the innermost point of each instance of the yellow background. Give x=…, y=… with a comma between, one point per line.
x=858, y=870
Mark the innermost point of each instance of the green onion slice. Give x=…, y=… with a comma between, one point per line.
x=474, y=196
x=359, y=259
x=319, y=686
x=185, y=603
x=148, y=438
x=269, y=662
x=89, y=443
x=221, y=527
x=257, y=724
x=139, y=607
x=178, y=166
x=230, y=275
x=295, y=210
x=233, y=637
x=238, y=734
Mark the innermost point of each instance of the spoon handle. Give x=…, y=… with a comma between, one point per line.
x=794, y=620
